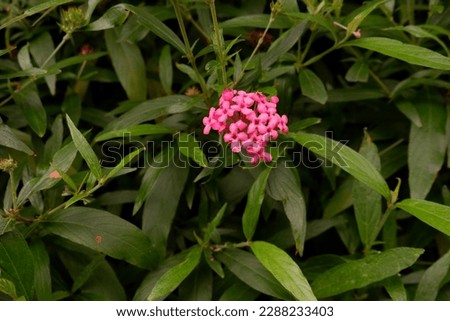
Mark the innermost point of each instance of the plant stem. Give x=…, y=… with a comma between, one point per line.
x=188, y=50
x=66, y=38
x=258, y=45
x=380, y=225
x=220, y=51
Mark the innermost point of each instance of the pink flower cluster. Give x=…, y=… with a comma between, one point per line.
x=247, y=121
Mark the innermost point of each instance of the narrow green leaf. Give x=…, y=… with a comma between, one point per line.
x=419, y=32
x=87, y=272
x=162, y=203
x=256, y=21
x=433, y=214
x=361, y=13
x=152, y=109
x=30, y=72
x=359, y=273
x=340, y=200
x=75, y=60
x=157, y=27
x=312, y=86
x=211, y=227
x=62, y=159
x=426, y=149
x=113, y=17
x=9, y=139
x=150, y=177
x=284, y=269
x=44, y=6
x=124, y=162
x=395, y=288
x=166, y=69
x=129, y=65
x=254, y=202
x=16, y=263
x=250, y=271
x=30, y=103
x=104, y=232
x=409, y=110
x=41, y=48
x=188, y=70
x=358, y=72
x=189, y=147
x=282, y=45
x=431, y=281
x=366, y=201
x=284, y=185
x=8, y=288
x=85, y=149
x=42, y=276
x=170, y=280
x=409, y=53
x=7, y=50
x=304, y=123
x=346, y=158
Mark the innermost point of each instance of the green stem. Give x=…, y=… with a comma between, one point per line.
x=13, y=189
x=66, y=38
x=308, y=46
x=380, y=225
x=189, y=54
x=220, y=51
x=383, y=86
x=258, y=45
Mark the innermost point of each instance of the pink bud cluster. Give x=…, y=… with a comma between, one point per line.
x=247, y=121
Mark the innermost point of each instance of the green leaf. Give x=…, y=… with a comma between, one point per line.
x=9, y=139
x=162, y=203
x=282, y=45
x=211, y=227
x=170, y=280
x=113, y=17
x=409, y=53
x=30, y=103
x=189, y=147
x=427, y=146
x=7, y=287
x=284, y=269
x=188, y=70
x=395, y=288
x=359, y=273
x=42, y=276
x=62, y=160
x=250, y=271
x=75, y=60
x=312, y=86
x=358, y=72
x=41, y=48
x=129, y=65
x=44, y=6
x=256, y=21
x=361, y=13
x=87, y=272
x=254, y=202
x=16, y=263
x=304, y=123
x=166, y=69
x=151, y=176
x=124, y=162
x=152, y=109
x=409, y=110
x=431, y=280
x=103, y=232
x=366, y=201
x=433, y=214
x=340, y=200
x=85, y=149
x=284, y=186
x=157, y=27
x=346, y=158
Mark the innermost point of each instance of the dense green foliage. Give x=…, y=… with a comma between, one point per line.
x=110, y=189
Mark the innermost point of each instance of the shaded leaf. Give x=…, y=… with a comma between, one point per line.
x=431, y=280
x=41, y=48
x=426, y=149
x=433, y=214
x=250, y=271
x=171, y=279
x=30, y=103
x=189, y=147
x=113, y=17
x=346, y=158
x=104, y=232
x=359, y=273
x=9, y=139
x=16, y=263
x=312, y=86
x=166, y=69
x=42, y=276
x=395, y=288
x=284, y=186
x=254, y=202
x=129, y=65
x=85, y=149
x=409, y=53
x=284, y=269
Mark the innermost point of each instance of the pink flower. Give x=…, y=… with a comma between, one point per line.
x=247, y=122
